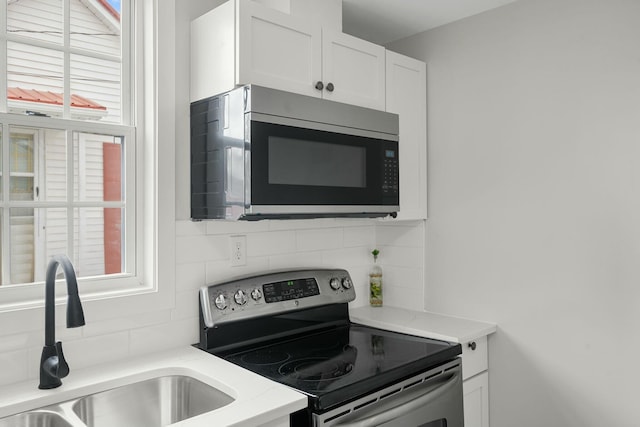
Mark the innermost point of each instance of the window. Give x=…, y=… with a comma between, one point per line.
x=67, y=140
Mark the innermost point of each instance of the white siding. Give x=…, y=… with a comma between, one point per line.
x=30, y=67
x=38, y=19
x=22, y=250
x=39, y=68
x=102, y=38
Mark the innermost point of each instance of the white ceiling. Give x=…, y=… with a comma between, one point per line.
x=385, y=21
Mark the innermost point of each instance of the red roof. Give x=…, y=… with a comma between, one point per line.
x=110, y=9
x=46, y=97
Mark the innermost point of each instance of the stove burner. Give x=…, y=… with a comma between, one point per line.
x=265, y=357
x=315, y=369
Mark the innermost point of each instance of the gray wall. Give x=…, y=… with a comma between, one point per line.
x=534, y=200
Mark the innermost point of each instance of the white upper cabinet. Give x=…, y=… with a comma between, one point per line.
x=353, y=70
x=407, y=96
x=242, y=42
x=278, y=50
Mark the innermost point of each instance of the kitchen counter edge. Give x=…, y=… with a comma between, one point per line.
x=257, y=399
x=422, y=323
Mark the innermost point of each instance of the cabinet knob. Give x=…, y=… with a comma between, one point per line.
x=472, y=345
x=330, y=87
x=320, y=85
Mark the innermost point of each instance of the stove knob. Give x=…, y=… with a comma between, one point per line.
x=346, y=283
x=240, y=297
x=256, y=294
x=335, y=284
x=221, y=302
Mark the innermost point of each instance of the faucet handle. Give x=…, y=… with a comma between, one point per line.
x=63, y=366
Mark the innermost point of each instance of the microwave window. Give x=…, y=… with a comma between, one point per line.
x=300, y=162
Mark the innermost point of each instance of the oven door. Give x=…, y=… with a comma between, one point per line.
x=435, y=401
x=295, y=167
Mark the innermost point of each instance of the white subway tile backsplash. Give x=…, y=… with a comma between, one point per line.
x=360, y=236
x=190, y=228
x=163, y=336
x=319, y=239
x=411, y=278
x=296, y=260
x=271, y=243
x=399, y=296
x=14, y=365
x=186, y=305
x=400, y=256
x=338, y=258
x=96, y=350
x=202, y=248
x=96, y=328
x=220, y=271
x=400, y=235
x=235, y=227
x=302, y=224
x=190, y=276
x=14, y=342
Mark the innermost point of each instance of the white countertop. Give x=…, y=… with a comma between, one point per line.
x=257, y=399
x=422, y=323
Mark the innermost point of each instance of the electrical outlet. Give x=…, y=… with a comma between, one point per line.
x=238, y=245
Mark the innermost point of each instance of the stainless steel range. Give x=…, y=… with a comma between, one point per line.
x=293, y=327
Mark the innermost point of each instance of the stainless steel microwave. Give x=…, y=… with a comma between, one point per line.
x=260, y=153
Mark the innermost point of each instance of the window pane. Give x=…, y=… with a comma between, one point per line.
x=34, y=79
x=36, y=235
x=95, y=89
x=99, y=167
x=38, y=164
x=1, y=174
x=41, y=19
x=22, y=152
x=53, y=184
x=98, y=239
x=96, y=29
x=22, y=245
x=22, y=166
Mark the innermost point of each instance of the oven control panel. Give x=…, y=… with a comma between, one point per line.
x=274, y=293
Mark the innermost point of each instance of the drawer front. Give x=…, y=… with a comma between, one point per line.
x=474, y=357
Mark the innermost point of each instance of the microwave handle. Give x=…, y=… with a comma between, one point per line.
x=400, y=410
x=228, y=169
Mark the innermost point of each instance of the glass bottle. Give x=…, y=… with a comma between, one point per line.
x=375, y=282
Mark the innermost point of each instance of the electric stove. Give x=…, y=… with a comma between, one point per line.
x=293, y=327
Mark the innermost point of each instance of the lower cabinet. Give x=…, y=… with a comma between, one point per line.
x=475, y=385
x=476, y=400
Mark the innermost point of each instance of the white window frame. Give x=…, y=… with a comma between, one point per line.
x=152, y=286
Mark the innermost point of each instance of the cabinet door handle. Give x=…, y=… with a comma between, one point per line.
x=330, y=87
x=320, y=85
x=472, y=345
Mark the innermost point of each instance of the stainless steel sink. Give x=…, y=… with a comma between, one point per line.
x=156, y=402
x=40, y=418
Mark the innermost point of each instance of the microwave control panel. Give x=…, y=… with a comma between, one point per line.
x=390, y=172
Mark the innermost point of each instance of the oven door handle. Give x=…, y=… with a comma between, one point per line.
x=400, y=410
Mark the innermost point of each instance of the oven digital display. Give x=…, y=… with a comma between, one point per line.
x=290, y=289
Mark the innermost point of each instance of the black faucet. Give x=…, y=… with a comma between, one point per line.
x=53, y=366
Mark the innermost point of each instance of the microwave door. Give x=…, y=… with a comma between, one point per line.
x=303, y=170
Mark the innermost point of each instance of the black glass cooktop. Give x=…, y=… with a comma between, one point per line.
x=340, y=364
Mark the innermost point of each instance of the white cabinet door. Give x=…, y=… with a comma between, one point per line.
x=353, y=70
x=476, y=401
x=406, y=83
x=277, y=50
x=243, y=42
